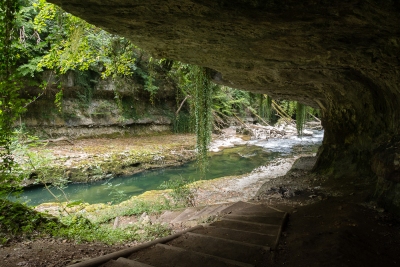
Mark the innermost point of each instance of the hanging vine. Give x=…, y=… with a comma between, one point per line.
x=265, y=106
x=194, y=83
x=300, y=117
x=202, y=109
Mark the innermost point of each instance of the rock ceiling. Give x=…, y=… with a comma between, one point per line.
x=342, y=56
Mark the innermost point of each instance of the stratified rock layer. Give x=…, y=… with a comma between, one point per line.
x=340, y=56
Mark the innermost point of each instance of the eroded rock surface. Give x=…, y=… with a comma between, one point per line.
x=340, y=56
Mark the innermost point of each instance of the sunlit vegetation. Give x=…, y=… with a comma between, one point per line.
x=39, y=44
x=19, y=221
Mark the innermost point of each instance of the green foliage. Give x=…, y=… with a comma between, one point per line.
x=117, y=195
x=36, y=165
x=229, y=101
x=58, y=100
x=181, y=123
x=28, y=44
x=9, y=9
x=11, y=105
x=131, y=207
x=265, y=106
x=150, y=87
x=288, y=106
x=149, y=78
x=240, y=100
x=51, y=39
x=194, y=81
x=30, y=160
x=300, y=117
x=183, y=77
x=202, y=98
x=128, y=107
x=86, y=84
x=314, y=111
x=16, y=219
x=182, y=192
x=16, y=50
x=78, y=45
x=73, y=52
x=80, y=229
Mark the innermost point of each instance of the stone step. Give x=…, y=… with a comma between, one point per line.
x=261, y=228
x=169, y=215
x=193, y=215
x=240, y=205
x=246, y=236
x=257, y=208
x=124, y=262
x=196, y=214
x=230, y=249
x=167, y=256
x=269, y=213
x=208, y=211
x=238, y=235
x=276, y=219
x=186, y=214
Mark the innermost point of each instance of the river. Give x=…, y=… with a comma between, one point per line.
x=228, y=162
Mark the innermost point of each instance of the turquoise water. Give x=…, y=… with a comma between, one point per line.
x=230, y=161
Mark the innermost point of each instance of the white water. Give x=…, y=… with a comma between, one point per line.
x=285, y=145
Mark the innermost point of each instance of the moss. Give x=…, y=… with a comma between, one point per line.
x=96, y=207
x=19, y=220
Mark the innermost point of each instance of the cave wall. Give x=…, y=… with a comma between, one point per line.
x=340, y=56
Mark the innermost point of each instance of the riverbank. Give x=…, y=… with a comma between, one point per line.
x=332, y=222
x=205, y=192
x=38, y=252
x=88, y=160
x=249, y=153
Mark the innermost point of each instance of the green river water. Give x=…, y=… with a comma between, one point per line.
x=230, y=161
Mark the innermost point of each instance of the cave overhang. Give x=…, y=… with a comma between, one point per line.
x=340, y=56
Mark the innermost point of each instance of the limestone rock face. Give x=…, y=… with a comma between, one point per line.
x=95, y=111
x=340, y=56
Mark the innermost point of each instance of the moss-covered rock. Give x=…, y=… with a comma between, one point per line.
x=18, y=220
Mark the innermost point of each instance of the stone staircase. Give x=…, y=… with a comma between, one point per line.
x=192, y=216
x=244, y=234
